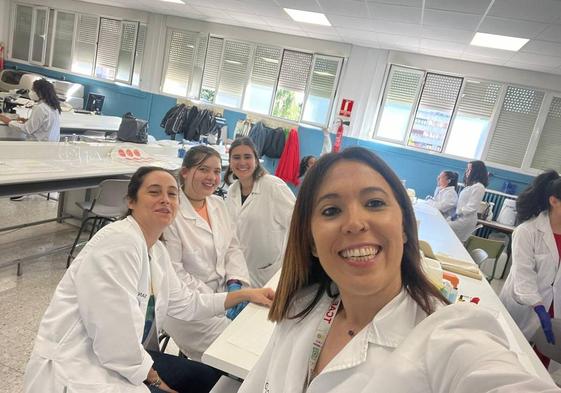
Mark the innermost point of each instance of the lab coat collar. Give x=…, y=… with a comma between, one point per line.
x=389, y=328
x=544, y=227
x=188, y=211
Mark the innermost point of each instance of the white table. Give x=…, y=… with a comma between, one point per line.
x=238, y=348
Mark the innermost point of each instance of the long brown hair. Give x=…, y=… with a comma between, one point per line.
x=46, y=93
x=301, y=269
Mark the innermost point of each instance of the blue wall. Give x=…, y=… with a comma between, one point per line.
x=419, y=169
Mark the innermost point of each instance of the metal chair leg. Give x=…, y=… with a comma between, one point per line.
x=71, y=253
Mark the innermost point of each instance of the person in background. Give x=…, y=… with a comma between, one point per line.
x=261, y=206
x=44, y=122
x=305, y=164
x=204, y=249
x=354, y=310
x=464, y=220
x=106, y=311
x=532, y=291
x=445, y=196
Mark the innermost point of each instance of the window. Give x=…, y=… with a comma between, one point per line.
x=139, y=55
x=62, y=46
x=261, y=86
x=107, y=53
x=22, y=32
x=514, y=126
x=323, y=83
x=293, y=78
x=212, y=69
x=438, y=99
x=473, y=118
x=126, y=51
x=181, y=55
x=85, y=45
x=234, y=74
x=402, y=90
x=549, y=146
x=40, y=35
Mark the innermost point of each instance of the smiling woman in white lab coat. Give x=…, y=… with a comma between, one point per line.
x=204, y=248
x=464, y=220
x=112, y=301
x=261, y=205
x=44, y=122
x=445, y=196
x=532, y=291
x=354, y=311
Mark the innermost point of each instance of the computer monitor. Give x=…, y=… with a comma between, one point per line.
x=94, y=103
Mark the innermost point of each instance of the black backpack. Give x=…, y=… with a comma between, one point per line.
x=133, y=129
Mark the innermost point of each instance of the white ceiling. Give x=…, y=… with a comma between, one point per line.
x=434, y=27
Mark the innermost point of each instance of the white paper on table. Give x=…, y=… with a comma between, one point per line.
x=254, y=343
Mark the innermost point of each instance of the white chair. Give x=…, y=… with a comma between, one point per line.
x=109, y=205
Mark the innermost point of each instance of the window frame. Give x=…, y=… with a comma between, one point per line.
x=32, y=37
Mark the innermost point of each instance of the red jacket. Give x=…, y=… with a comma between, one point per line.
x=290, y=159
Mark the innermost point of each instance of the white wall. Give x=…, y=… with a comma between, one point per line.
x=4, y=22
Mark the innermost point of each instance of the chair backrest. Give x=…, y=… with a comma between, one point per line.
x=478, y=255
x=552, y=351
x=112, y=193
x=493, y=248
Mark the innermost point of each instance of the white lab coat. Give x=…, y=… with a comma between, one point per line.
x=89, y=339
x=204, y=258
x=458, y=349
x=445, y=200
x=42, y=125
x=262, y=224
x=534, y=276
x=468, y=203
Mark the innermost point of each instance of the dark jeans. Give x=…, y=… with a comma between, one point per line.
x=183, y=375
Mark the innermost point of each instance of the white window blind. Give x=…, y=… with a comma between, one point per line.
x=140, y=42
x=40, y=35
x=323, y=83
x=199, y=65
x=126, y=51
x=264, y=74
x=293, y=78
x=402, y=88
x=234, y=73
x=548, y=152
x=179, y=68
x=212, y=68
x=62, y=46
x=438, y=99
x=514, y=126
x=473, y=118
x=85, y=44
x=109, y=42
x=22, y=32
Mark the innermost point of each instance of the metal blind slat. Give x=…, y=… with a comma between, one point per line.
x=62, y=47
x=479, y=98
x=108, y=48
x=87, y=29
x=295, y=70
x=266, y=66
x=514, y=126
x=212, y=63
x=323, y=79
x=235, y=64
x=548, y=152
x=22, y=32
x=440, y=91
x=180, y=61
x=403, y=85
x=86, y=41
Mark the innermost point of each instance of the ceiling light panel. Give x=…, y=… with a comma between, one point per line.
x=496, y=41
x=315, y=18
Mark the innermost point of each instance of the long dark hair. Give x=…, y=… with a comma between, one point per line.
x=535, y=198
x=46, y=92
x=304, y=165
x=478, y=174
x=302, y=269
x=452, y=178
x=259, y=170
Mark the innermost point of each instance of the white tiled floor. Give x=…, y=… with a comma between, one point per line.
x=24, y=299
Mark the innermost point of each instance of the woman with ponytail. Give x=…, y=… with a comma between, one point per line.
x=532, y=291
x=44, y=122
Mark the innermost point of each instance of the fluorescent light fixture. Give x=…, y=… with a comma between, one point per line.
x=323, y=73
x=269, y=60
x=498, y=41
x=173, y=1
x=314, y=18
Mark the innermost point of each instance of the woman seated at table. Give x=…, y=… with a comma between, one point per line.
x=44, y=122
x=532, y=291
x=445, y=196
x=112, y=301
x=354, y=310
x=204, y=249
x=464, y=220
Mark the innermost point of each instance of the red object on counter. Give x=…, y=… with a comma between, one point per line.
x=475, y=300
